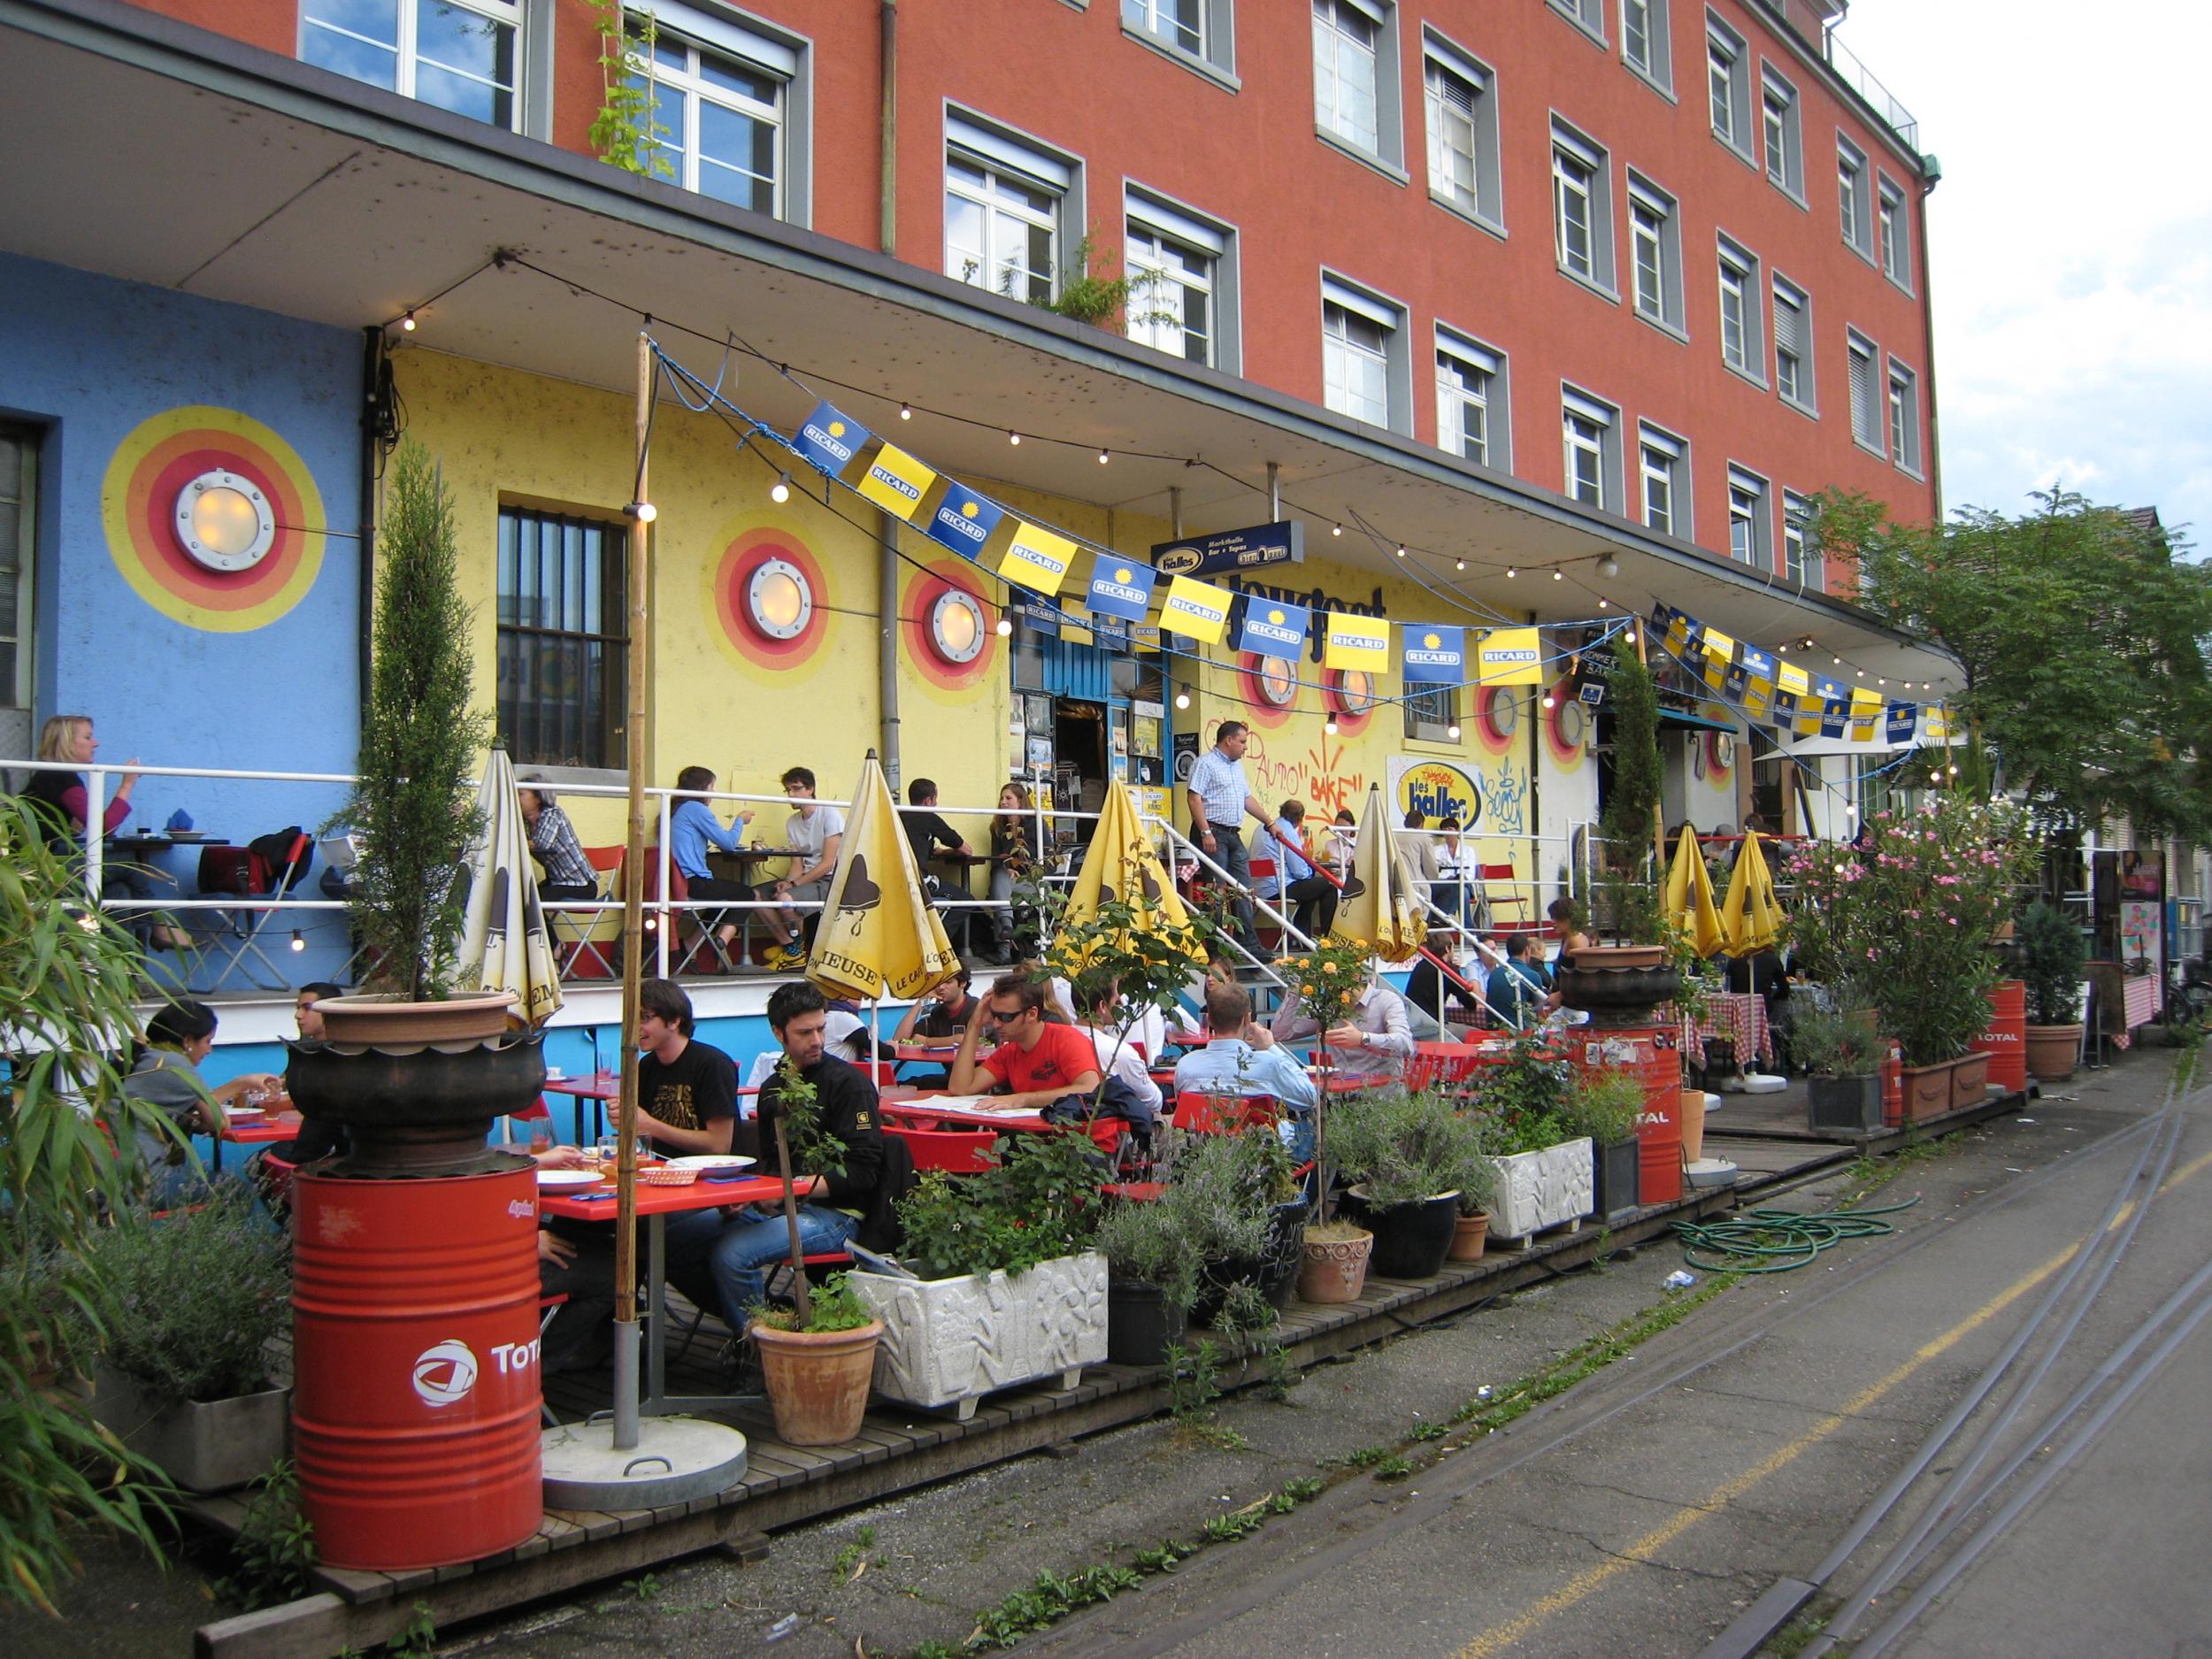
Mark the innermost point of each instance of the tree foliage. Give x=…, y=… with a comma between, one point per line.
x=2079, y=633
x=420, y=737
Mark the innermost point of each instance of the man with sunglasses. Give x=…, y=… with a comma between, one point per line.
x=1036, y=1062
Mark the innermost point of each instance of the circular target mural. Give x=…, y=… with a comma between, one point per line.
x=1566, y=726
x=949, y=625
x=1497, y=718
x=212, y=519
x=769, y=598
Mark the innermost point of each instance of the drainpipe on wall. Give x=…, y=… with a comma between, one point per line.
x=364, y=549
x=888, y=127
x=887, y=643
x=1927, y=328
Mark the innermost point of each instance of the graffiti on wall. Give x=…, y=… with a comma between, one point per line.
x=1507, y=803
x=1319, y=777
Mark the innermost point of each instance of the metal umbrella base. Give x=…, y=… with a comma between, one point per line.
x=626, y=1461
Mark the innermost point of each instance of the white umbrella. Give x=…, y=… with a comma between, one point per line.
x=503, y=942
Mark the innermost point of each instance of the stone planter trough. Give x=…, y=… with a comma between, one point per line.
x=950, y=1342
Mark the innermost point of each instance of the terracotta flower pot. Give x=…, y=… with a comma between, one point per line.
x=817, y=1380
x=1693, y=1118
x=1927, y=1090
x=1469, y=1234
x=2052, y=1050
x=1969, y=1081
x=1334, y=1269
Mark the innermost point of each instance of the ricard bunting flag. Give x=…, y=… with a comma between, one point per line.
x=1196, y=609
x=1353, y=642
x=1037, y=559
x=1435, y=654
x=1271, y=627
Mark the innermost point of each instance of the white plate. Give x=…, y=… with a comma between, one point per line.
x=554, y=1179
x=712, y=1161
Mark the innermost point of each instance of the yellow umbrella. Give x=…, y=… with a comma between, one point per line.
x=503, y=942
x=1378, y=909
x=1690, y=897
x=1122, y=866
x=1751, y=919
x=879, y=936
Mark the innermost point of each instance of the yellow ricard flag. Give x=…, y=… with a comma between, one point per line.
x=880, y=936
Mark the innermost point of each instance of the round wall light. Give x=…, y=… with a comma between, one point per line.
x=778, y=601
x=223, y=521
x=956, y=627
x=1278, y=682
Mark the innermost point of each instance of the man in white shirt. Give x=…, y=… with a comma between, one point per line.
x=1375, y=1042
x=1220, y=798
x=815, y=834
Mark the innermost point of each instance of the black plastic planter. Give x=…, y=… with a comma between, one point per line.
x=1141, y=1324
x=1843, y=1105
x=1275, y=1273
x=1412, y=1240
x=1619, y=1184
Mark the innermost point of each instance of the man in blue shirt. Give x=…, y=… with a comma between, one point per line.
x=1313, y=896
x=1518, y=991
x=1241, y=1058
x=1220, y=798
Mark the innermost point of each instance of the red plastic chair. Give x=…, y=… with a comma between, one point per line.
x=1199, y=1113
x=581, y=956
x=959, y=1151
x=1443, y=1065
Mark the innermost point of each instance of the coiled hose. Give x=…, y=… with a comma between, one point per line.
x=1777, y=1240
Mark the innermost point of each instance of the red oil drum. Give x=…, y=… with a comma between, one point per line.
x=415, y=1391
x=1648, y=1052
x=2006, y=1041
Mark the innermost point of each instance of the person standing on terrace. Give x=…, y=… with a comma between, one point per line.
x=1220, y=798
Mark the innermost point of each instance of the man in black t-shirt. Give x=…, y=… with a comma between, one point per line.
x=926, y=830
x=687, y=1089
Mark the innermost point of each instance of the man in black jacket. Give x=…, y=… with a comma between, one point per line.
x=854, y=1202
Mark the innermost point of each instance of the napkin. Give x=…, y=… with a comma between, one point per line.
x=180, y=819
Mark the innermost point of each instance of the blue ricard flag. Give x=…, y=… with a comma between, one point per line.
x=1435, y=653
x=964, y=521
x=1272, y=627
x=1120, y=588
x=830, y=440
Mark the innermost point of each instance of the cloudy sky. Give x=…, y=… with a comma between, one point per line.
x=2071, y=239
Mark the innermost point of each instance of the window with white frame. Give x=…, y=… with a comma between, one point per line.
x=1590, y=434
x=1586, y=15
x=1743, y=344
x=1582, y=206
x=1645, y=44
x=1794, y=345
x=459, y=55
x=1360, y=337
x=19, y=566
x=1896, y=234
x=1203, y=29
x=1469, y=399
x=724, y=99
x=1800, y=550
x=1655, y=243
x=1728, y=85
x=1347, y=38
x=1180, y=300
x=1904, y=417
x=1750, y=535
x=1462, y=131
x=1663, y=464
x=1854, y=197
x=1005, y=202
x=1866, y=397
x=1781, y=132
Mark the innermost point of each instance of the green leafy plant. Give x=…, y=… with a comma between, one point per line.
x=852, y=1559
x=1604, y=1105
x=1523, y=1099
x=1841, y=1042
x=1047, y=1599
x=67, y=984
x=199, y=1295
x=1194, y=1379
x=1245, y=1308
x=420, y=736
x=833, y=1306
x=274, y=1547
x=813, y=1147
x=1328, y=980
x=1304, y=1488
x=419, y=1639
x=2051, y=954
x=1038, y=1201
x=1630, y=907
x=1402, y=1149
x=626, y=133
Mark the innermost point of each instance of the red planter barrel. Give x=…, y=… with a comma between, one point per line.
x=2006, y=1041
x=416, y=1389
x=1651, y=1054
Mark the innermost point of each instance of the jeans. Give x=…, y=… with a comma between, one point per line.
x=756, y=1238
x=1229, y=853
x=1015, y=931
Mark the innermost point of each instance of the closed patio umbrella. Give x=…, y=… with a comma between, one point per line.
x=1378, y=908
x=1750, y=918
x=1689, y=898
x=504, y=944
x=1123, y=866
x=880, y=936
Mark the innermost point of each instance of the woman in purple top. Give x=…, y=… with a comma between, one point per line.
x=62, y=803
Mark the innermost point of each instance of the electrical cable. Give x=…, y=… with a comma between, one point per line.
x=1777, y=1240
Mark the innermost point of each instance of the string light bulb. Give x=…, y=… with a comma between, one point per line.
x=1604, y=604
x=1459, y=565
x=906, y=411
x=1630, y=637
x=1557, y=574
x=1550, y=702
x=1402, y=549
x=1835, y=662
x=1005, y=625
x=1182, y=697
x=407, y=323
x=1336, y=529
x=1609, y=567
x=1105, y=456
x=644, y=511
x=780, y=491
x=1511, y=572
x=297, y=942
x=1953, y=769
x=1329, y=726
x=1452, y=732
x=1013, y=437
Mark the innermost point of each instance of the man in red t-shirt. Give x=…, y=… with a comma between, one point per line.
x=1037, y=1062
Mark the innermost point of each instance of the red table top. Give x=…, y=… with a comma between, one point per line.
x=942, y=1048
x=598, y=1085
x=283, y=1126
x=598, y=1204
x=921, y=1111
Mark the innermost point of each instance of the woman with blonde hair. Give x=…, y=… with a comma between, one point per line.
x=1016, y=853
x=62, y=803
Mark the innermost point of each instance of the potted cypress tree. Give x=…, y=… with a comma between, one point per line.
x=2051, y=956
x=413, y=1107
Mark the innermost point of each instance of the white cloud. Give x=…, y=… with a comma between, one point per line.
x=2071, y=242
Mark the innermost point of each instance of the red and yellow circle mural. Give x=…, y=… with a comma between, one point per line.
x=1499, y=711
x=768, y=597
x=156, y=464
x=949, y=624
x=1268, y=688
x=1350, y=695
x=1566, y=726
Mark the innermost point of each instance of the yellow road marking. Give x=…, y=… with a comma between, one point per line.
x=1583, y=1585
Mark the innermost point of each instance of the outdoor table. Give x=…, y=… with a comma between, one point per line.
x=275, y=1127
x=964, y=863
x=746, y=859
x=655, y=1204
x=929, y=1052
x=599, y=1087
x=918, y=1111
x=1735, y=1016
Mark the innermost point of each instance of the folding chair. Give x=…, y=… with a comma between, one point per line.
x=683, y=950
x=573, y=929
x=1515, y=899
x=243, y=872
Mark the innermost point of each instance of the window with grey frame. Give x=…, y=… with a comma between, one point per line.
x=1645, y=43
x=1655, y=238
x=1360, y=336
x=1590, y=439
x=1854, y=197
x=1728, y=85
x=1461, y=119
x=1178, y=23
x=1663, y=467
x=1781, y=132
x=1582, y=207
x=720, y=110
x=1794, y=345
x=1431, y=711
x=1866, y=396
x=563, y=638
x=1005, y=201
x=1347, y=75
x=1750, y=535
x=1586, y=15
x=464, y=56
x=19, y=563
x=1742, y=320
x=1801, y=545
x=1904, y=417
x=1470, y=398
x=1175, y=265
x=1896, y=233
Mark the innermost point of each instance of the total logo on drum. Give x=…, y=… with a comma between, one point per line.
x=446, y=1372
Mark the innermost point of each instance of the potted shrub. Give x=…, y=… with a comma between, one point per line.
x=183, y=1374
x=817, y=1374
x=2051, y=956
x=1008, y=1286
x=1606, y=1106
x=1403, y=1154
x=1477, y=1183
x=414, y=1108
x=1628, y=907
x=1333, y=1265
x=1151, y=1281
x=1843, y=1056
x=1544, y=1174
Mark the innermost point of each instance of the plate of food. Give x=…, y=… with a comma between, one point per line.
x=238, y=1115
x=185, y=835
x=712, y=1161
x=567, y=1180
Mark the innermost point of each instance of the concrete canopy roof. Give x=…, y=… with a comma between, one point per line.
x=230, y=173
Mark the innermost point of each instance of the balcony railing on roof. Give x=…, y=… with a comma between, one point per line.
x=1814, y=21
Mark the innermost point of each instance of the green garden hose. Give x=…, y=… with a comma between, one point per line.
x=1777, y=1241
